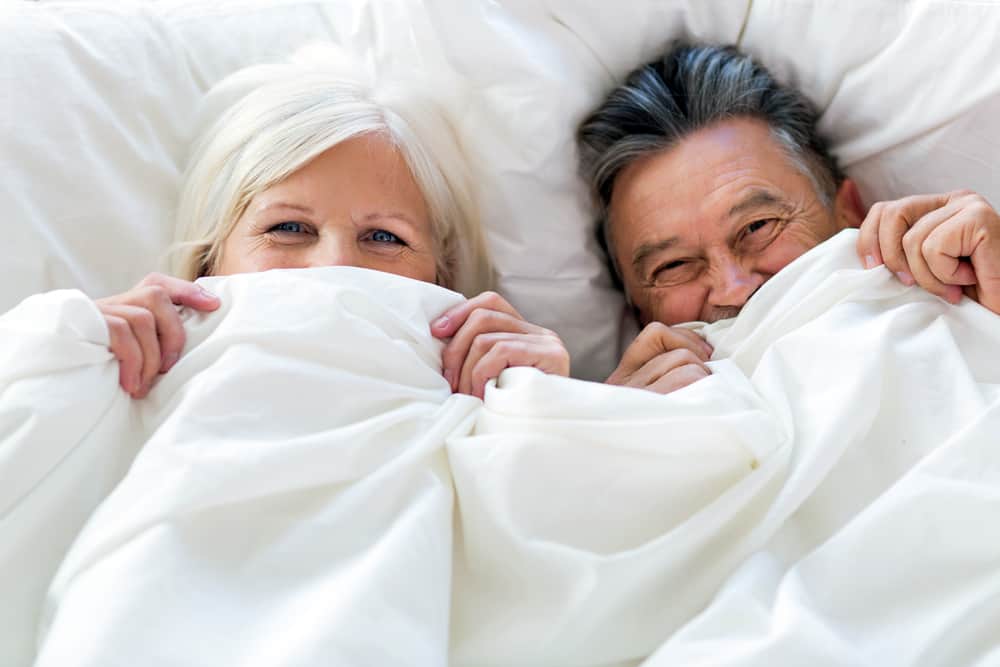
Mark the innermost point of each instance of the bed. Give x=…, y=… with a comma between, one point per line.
x=828, y=496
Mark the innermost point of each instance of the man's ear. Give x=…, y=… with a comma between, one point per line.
x=847, y=207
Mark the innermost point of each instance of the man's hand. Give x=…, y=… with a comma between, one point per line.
x=663, y=359
x=948, y=244
x=145, y=329
x=487, y=336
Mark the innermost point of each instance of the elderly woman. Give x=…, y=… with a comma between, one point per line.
x=312, y=169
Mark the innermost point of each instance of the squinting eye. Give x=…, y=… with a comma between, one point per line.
x=382, y=236
x=676, y=272
x=759, y=234
x=670, y=265
x=758, y=225
x=291, y=227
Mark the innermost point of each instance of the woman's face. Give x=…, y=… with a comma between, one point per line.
x=356, y=204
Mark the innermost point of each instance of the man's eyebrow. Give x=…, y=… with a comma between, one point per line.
x=758, y=199
x=643, y=252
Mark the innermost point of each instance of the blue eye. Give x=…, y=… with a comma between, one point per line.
x=291, y=227
x=382, y=236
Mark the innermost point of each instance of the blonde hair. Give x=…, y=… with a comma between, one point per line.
x=294, y=113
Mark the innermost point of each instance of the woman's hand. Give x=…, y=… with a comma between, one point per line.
x=948, y=244
x=663, y=359
x=487, y=336
x=145, y=329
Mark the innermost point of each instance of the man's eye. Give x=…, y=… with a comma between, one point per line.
x=382, y=236
x=289, y=227
x=759, y=234
x=670, y=266
x=675, y=272
x=758, y=225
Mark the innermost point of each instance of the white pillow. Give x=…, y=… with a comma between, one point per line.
x=910, y=91
x=100, y=100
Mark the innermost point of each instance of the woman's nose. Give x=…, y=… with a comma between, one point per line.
x=335, y=252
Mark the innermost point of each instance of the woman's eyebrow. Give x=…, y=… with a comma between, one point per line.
x=382, y=215
x=281, y=204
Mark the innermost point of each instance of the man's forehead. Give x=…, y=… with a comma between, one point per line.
x=711, y=175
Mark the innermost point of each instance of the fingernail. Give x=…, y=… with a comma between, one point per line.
x=441, y=322
x=870, y=262
x=904, y=277
x=205, y=293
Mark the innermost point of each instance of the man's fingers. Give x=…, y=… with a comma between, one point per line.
x=966, y=251
x=665, y=363
x=452, y=319
x=934, y=274
x=893, y=224
x=679, y=378
x=889, y=222
x=183, y=292
x=867, y=244
x=698, y=345
x=654, y=340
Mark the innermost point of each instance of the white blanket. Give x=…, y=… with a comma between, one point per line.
x=307, y=491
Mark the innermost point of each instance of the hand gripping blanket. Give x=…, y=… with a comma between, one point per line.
x=302, y=488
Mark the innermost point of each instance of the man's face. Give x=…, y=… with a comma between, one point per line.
x=697, y=228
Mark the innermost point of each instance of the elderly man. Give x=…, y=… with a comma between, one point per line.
x=711, y=178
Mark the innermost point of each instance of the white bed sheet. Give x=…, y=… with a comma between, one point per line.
x=308, y=492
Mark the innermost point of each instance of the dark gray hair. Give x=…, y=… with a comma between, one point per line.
x=691, y=87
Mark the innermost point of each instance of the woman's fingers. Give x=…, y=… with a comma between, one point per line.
x=486, y=313
x=126, y=348
x=143, y=366
x=169, y=327
x=487, y=335
x=493, y=352
x=449, y=322
x=182, y=292
x=147, y=335
x=473, y=339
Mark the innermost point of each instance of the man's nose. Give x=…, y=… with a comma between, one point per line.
x=733, y=284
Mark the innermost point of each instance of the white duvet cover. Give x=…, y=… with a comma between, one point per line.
x=308, y=492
